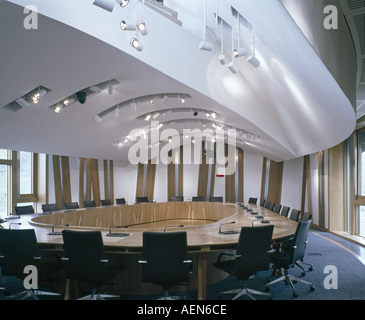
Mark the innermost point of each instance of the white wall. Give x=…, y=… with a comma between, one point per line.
x=125, y=182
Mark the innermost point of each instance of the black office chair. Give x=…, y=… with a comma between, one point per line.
x=86, y=261
x=267, y=204
x=120, y=201
x=50, y=207
x=306, y=216
x=252, y=200
x=141, y=199
x=295, y=215
x=19, y=249
x=271, y=206
x=89, y=204
x=198, y=199
x=252, y=255
x=106, y=202
x=24, y=210
x=165, y=260
x=262, y=202
x=177, y=199
x=216, y=199
x=285, y=211
x=71, y=205
x=277, y=208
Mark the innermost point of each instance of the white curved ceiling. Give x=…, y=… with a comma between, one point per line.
x=291, y=101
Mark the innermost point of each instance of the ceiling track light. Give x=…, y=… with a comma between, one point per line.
x=136, y=45
x=155, y=115
x=213, y=115
x=68, y=101
x=204, y=45
x=127, y=25
x=22, y=102
x=239, y=52
x=252, y=59
x=58, y=108
x=141, y=27
x=165, y=99
x=221, y=57
x=181, y=98
x=148, y=117
x=109, y=88
x=95, y=89
x=122, y=3
x=107, y=5
x=167, y=112
x=97, y=119
x=38, y=95
x=118, y=112
x=133, y=106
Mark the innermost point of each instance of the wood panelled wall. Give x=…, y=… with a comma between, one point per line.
x=171, y=178
x=150, y=180
x=275, y=180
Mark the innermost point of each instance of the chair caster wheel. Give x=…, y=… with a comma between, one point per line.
x=303, y=273
x=295, y=295
x=312, y=288
x=267, y=289
x=310, y=269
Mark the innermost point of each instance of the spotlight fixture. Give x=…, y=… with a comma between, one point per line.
x=167, y=112
x=68, y=101
x=141, y=26
x=122, y=3
x=58, y=108
x=165, y=98
x=170, y=139
x=81, y=97
x=181, y=98
x=221, y=57
x=104, y=4
x=203, y=44
x=23, y=103
x=239, y=52
x=97, y=118
x=136, y=45
x=254, y=61
x=232, y=67
x=133, y=106
x=109, y=88
x=195, y=113
x=155, y=115
x=127, y=25
x=207, y=114
x=148, y=117
x=213, y=115
x=118, y=112
x=202, y=123
x=38, y=95
x=95, y=89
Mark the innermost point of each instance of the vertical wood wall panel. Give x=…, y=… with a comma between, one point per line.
x=263, y=179
x=275, y=181
x=203, y=175
x=139, y=180
x=240, y=175
x=106, y=180
x=57, y=180
x=150, y=180
x=95, y=182
x=66, y=179
x=111, y=180
x=81, y=182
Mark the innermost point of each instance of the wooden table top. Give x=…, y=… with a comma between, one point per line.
x=202, y=234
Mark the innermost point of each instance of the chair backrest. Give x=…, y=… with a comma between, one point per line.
x=141, y=199
x=165, y=254
x=216, y=199
x=84, y=250
x=253, y=246
x=294, y=215
x=306, y=216
x=51, y=207
x=267, y=204
x=18, y=247
x=252, y=200
x=24, y=209
x=89, y=204
x=106, y=202
x=285, y=211
x=277, y=208
x=198, y=199
x=262, y=202
x=271, y=206
x=299, y=242
x=120, y=201
x=72, y=205
x=177, y=199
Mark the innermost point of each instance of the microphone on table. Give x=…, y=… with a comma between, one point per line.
x=227, y=232
x=59, y=233
x=179, y=226
x=18, y=223
x=117, y=234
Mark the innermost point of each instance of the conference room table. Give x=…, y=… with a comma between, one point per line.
x=202, y=222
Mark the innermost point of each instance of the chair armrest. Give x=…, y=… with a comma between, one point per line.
x=226, y=254
x=272, y=250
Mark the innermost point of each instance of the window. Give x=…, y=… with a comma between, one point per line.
x=361, y=187
x=3, y=154
x=4, y=191
x=361, y=230
x=26, y=172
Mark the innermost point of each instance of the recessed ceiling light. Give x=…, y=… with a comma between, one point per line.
x=68, y=101
x=58, y=108
x=213, y=115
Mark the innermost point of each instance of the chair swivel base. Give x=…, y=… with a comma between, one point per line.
x=245, y=292
x=289, y=279
x=95, y=296
x=32, y=294
x=168, y=297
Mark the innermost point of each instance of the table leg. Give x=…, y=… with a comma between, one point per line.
x=202, y=276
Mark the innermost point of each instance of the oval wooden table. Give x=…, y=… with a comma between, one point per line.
x=201, y=221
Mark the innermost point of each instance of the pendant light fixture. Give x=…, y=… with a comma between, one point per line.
x=203, y=44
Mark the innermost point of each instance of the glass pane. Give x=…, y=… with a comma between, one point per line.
x=362, y=162
x=3, y=191
x=26, y=165
x=3, y=154
x=362, y=221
